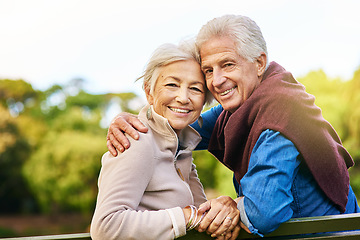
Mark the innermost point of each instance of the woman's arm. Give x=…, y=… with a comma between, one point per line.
x=122, y=182
x=196, y=187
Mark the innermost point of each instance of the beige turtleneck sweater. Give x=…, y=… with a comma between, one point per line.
x=141, y=191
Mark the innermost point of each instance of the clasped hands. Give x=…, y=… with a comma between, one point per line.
x=219, y=218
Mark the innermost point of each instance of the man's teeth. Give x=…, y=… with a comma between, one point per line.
x=179, y=110
x=227, y=91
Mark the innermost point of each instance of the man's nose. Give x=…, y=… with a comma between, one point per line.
x=218, y=77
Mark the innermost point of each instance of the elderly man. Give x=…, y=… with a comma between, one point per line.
x=287, y=159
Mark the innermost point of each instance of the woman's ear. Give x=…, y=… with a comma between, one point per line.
x=149, y=96
x=261, y=64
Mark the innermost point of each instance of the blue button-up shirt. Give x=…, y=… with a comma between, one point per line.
x=278, y=185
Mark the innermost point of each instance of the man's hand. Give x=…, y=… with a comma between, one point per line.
x=123, y=123
x=222, y=217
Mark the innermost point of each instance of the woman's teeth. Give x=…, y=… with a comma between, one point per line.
x=179, y=110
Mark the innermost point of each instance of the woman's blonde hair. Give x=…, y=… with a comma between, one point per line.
x=166, y=54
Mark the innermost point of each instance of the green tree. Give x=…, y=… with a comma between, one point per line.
x=62, y=172
x=18, y=90
x=329, y=96
x=14, y=194
x=352, y=128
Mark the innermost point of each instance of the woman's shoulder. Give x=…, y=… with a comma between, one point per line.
x=138, y=158
x=139, y=149
x=145, y=142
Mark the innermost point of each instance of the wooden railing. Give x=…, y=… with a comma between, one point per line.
x=345, y=226
x=74, y=236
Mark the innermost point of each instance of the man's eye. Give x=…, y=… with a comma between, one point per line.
x=208, y=72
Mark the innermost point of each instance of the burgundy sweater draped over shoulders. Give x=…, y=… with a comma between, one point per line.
x=280, y=103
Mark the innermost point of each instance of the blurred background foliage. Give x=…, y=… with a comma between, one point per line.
x=51, y=141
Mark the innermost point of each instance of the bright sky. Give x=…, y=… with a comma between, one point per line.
x=108, y=42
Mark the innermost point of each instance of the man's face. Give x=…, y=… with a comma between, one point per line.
x=229, y=77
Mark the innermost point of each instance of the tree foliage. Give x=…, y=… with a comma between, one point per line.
x=14, y=150
x=62, y=171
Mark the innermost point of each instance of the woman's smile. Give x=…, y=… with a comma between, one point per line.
x=179, y=110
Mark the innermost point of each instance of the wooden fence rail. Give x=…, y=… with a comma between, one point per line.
x=345, y=226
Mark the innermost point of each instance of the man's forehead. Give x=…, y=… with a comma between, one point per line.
x=217, y=58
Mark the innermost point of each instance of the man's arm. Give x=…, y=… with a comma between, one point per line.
x=130, y=124
x=266, y=186
x=208, y=122
x=123, y=123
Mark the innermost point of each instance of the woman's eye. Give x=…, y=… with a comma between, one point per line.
x=196, y=89
x=171, y=85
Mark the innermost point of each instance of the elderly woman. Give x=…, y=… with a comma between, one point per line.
x=152, y=190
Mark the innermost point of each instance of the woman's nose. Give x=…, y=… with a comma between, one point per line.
x=183, y=96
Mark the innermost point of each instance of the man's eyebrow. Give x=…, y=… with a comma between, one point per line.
x=220, y=61
x=204, y=66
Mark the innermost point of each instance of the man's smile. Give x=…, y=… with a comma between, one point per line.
x=227, y=91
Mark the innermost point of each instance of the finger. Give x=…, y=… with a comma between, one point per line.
x=227, y=225
x=111, y=148
x=219, y=226
x=235, y=232
x=204, y=207
x=227, y=235
x=112, y=144
x=235, y=220
x=221, y=237
x=130, y=124
x=138, y=125
x=213, y=220
x=118, y=145
x=119, y=133
x=225, y=221
x=208, y=219
x=126, y=123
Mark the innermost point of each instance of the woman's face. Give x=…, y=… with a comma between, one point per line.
x=179, y=93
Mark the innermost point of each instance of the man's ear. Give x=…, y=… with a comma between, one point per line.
x=261, y=64
x=149, y=96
